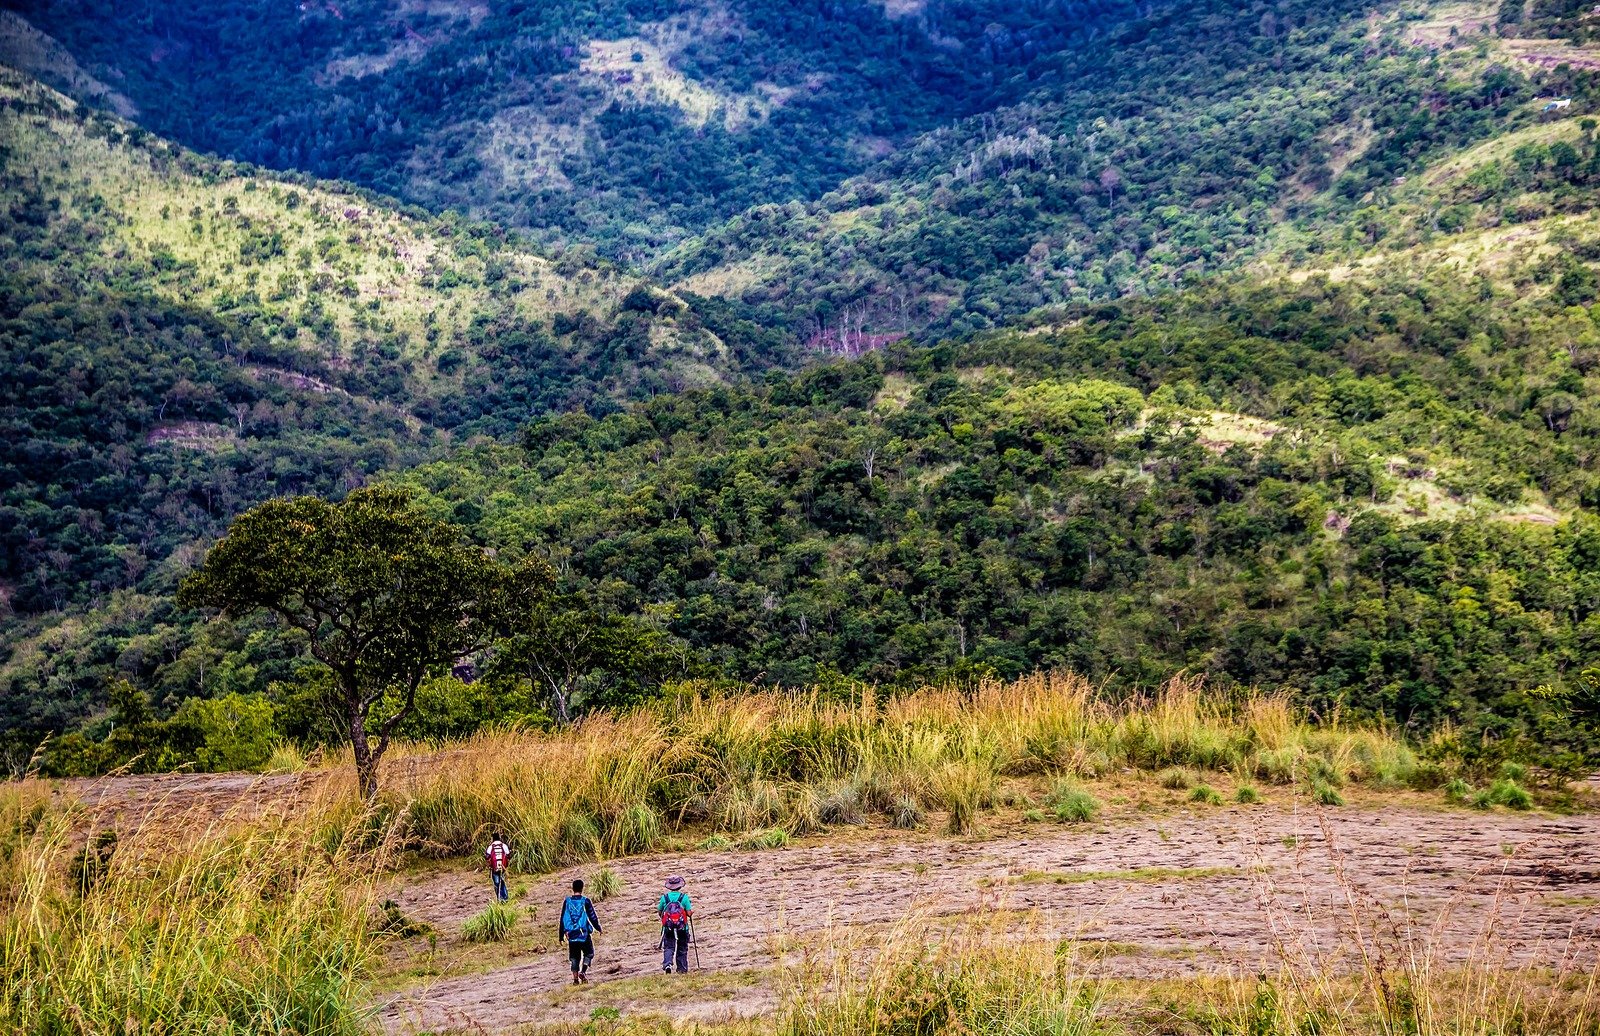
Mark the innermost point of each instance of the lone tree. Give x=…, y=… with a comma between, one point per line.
x=554, y=643
x=384, y=594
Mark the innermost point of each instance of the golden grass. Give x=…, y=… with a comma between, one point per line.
x=187, y=923
x=738, y=763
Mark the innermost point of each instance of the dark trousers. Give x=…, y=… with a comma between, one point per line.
x=500, y=890
x=581, y=954
x=675, y=947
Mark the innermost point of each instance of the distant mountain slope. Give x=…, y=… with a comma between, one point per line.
x=1193, y=139
x=627, y=122
x=181, y=337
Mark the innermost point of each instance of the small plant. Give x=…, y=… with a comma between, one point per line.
x=1326, y=794
x=1206, y=795
x=286, y=757
x=1033, y=816
x=715, y=843
x=1516, y=773
x=767, y=838
x=1174, y=777
x=493, y=924
x=395, y=922
x=1457, y=790
x=91, y=863
x=1071, y=804
x=606, y=884
x=1246, y=795
x=1505, y=793
x=908, y=813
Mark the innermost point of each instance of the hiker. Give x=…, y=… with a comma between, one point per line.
x=498, y=854
x=677, y=921
x=578, y=927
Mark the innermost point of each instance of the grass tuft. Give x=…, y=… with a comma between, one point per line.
x=492, y=924
x=1246, y=795
x=606, y=883
x=1070, y=804
x=1206, y=795
x=1326, y=794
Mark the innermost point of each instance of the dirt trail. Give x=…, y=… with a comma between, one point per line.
x=1235, y=884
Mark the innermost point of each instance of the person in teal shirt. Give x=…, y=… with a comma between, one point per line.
x=677, y=916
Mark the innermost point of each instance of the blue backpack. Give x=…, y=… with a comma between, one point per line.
x=575, y=918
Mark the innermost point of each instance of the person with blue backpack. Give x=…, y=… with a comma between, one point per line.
x=677, y=925
x=578, y=927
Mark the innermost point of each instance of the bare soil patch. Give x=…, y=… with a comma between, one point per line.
x=1200, y=892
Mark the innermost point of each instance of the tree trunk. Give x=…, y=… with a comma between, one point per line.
x=366, y=759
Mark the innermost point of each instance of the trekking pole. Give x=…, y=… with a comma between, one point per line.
x=694, y=944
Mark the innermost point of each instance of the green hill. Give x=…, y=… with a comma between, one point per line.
x=182, y=337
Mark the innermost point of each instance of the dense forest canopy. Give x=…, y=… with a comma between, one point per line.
x=1257, y=340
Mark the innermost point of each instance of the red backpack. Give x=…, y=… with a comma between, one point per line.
x=673, y=915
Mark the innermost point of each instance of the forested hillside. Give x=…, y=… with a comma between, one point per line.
x=181, y=338
x=860, y=170
x=1259, y=341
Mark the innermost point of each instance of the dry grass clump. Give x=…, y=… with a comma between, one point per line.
x=189, y=923
x=986, y=976
x=799, y=762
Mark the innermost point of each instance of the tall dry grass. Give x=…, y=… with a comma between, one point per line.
x=612, y=784
x=188, y=922
x=999, y=975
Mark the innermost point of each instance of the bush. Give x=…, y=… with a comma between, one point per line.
x=769, y=838
x=1457, y=790
x=1071, y=804
x=493, y=924
x=1246, y=795
x=1175, y=777
x=1205, y=794
x=1505, y=793
x=606, y=884
x=908, y=814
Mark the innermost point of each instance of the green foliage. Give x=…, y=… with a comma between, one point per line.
x=491, y=924
x=1504, y=792
x=1072, y=804
x=1206, y=795
x=606, y=883
x=1458, y=791
x=768, y=838
x=1175, y=778
x=1246, y=795
x=1324, y=794
x=383, y=595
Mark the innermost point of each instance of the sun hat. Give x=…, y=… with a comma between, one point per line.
x=674, y=883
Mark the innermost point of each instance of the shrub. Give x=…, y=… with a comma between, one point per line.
x=1513, y=772
x=492, y=924
x=965, y=787
x=1071, y=804
x=1507, y=793
x=1246, y=795
x=1206, y=794
x=1457, y=790
x=769, y=838
x=908, y=814
x=1174, y=777
x=840, y=802
x=606, y=884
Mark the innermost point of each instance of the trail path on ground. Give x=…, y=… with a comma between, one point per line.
x=1209, y=891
